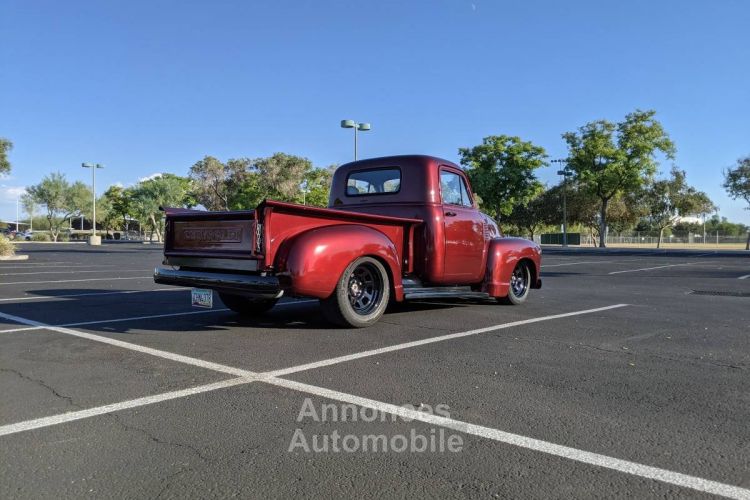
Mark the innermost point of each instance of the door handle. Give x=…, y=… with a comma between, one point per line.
x=450, y=214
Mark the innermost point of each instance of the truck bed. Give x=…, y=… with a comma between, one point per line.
x=250, y=240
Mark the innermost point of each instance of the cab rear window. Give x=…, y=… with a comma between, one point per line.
x=373, y=181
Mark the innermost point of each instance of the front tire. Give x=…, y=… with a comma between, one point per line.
x=361, y=295
x=247, y=306
x=520, y=284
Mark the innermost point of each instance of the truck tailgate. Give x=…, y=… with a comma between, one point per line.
x=210, y=234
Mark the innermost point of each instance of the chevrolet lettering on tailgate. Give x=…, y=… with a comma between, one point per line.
x=213, y=235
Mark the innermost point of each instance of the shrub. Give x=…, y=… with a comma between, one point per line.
x=63, y=237
x=40, y=237
x=6, y=247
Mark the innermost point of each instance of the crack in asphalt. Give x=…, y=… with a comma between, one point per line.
x=155, y=439
x=168, y=480
x=416, y=326
x=43, y=384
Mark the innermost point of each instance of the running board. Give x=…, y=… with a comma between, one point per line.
x=437, y=292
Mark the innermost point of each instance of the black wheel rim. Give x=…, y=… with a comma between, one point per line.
x=519, y=281
x=365, y=289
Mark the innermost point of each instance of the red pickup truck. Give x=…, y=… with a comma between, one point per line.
x=397, y=228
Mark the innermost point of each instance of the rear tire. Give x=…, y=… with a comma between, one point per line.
x=520, y=284
x=361, y=295
x=246, y=306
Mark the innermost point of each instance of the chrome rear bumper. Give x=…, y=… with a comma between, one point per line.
x=250, y=285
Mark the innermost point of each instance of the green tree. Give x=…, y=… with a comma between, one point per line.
x=249, y=193
x=281, y=175
x=242, y=183
x=316, y=186
x=216, y=185
x=737, y=184
x=119, y=204
x=5, y=147
x=544, y=210
x=147, y=198
x=584, y=210
x=669, y=199
x=30, y=207
x=61, y=200
x=725, y=227
x=610, y=159
x=106, y=216
x=501, y=170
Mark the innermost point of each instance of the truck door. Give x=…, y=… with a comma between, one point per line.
x=463, y=230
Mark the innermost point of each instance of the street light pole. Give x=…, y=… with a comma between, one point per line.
x=362, y=127
x=304, y=192
x=16, y=214
x=93, y=167
x=565, y=173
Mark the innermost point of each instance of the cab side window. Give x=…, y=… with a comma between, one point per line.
x=453, y=189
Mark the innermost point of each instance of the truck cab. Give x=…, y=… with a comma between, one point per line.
x=396, y=228
x=451, y=243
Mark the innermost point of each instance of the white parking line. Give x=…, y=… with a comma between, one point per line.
x=139, y=318
x=432, y=340
x=90, y=294
x=68, y=266
x=45, y=326
x=656, y=267
x=31, y=324
x=125, y=405
x=21, y=329
x=744, y=277
x=79, y=272
x=27, y=263
x=134, y=347
x=77, y=281
x=595, y=459
x=625, y=466
x=579, y=263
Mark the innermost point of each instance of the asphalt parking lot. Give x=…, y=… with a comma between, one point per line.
x=626, y=375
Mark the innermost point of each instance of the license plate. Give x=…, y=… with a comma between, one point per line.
x=202, y=298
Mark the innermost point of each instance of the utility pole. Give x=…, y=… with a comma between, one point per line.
x=565, y=172
x=93, y=239
x=304, y=192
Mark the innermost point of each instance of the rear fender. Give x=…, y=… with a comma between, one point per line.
x=314, y=260
x=503, y=255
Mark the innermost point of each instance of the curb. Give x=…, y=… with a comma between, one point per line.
x=14, y=257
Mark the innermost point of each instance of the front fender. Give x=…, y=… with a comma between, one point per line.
x=503, y=255
x=314, y=260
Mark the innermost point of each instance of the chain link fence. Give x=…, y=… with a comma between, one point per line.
x=675, y=239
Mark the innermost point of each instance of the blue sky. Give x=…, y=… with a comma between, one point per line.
x=151, y=86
